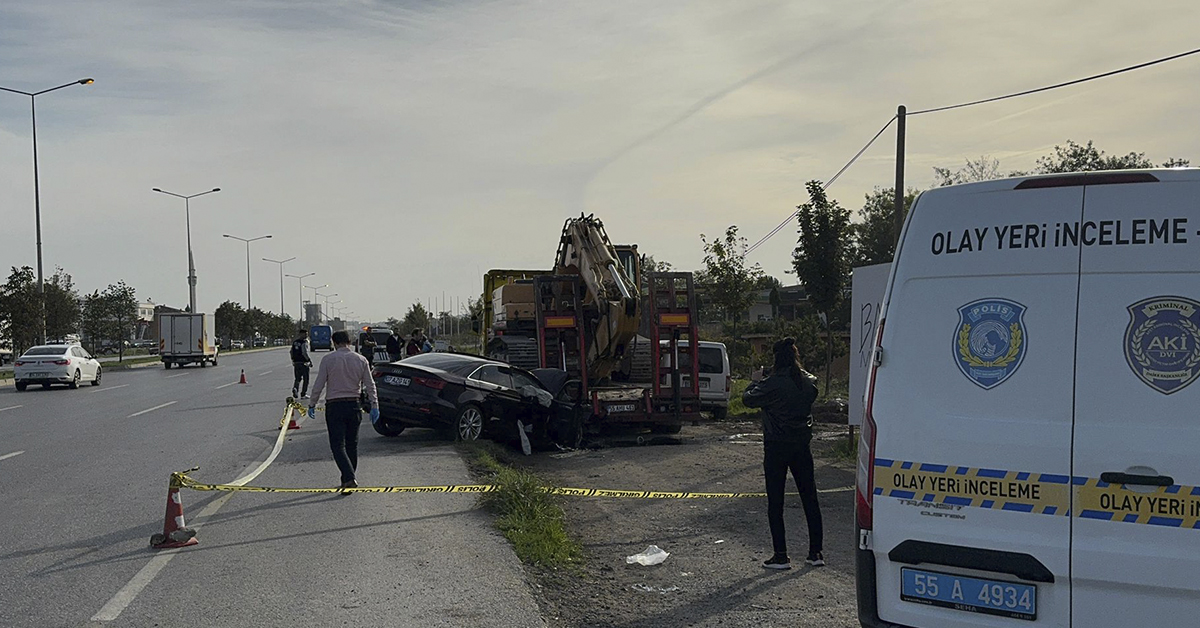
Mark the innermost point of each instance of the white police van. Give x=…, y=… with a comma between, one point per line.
x=1029, y=451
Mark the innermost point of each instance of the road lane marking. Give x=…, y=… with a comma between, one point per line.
x=267, y=373
x=108, y=388
x=113, y=608
x=225, y=385
x=17, y=453
x=176, y=375
x=169, y=403
x=11, y=408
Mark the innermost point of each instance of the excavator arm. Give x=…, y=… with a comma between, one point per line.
x=612, y=301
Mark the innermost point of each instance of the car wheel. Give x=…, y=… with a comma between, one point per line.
x=21, y=386
x=74, y=381
x=45, y=386
x=673, y=428
x=96, y=382
x=720, y=413
x=384, y=428
x=167, y=365
x=468, y=425
x=570, y=435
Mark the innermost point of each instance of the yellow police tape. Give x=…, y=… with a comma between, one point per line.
x=180, y=479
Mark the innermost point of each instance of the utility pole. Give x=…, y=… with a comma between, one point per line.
x=898, y=217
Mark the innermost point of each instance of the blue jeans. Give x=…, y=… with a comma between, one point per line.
x=342, y=418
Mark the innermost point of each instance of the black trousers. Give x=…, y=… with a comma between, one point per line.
x=342, y=418
x=778, y=459
x=301, y=372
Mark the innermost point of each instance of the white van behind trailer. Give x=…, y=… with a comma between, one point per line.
x=1028, y=449
x=185, y=338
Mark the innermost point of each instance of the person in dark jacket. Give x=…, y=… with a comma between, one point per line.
x=301, y=364
x=393, y=347
x=415, y=342
x=367, y=348
x=786, y=398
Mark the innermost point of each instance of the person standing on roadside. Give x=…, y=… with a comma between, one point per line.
x=367, y=348
x=301, y=364
x=413, y=347
x=393, y=347
x=786, y=397
x=347, y=375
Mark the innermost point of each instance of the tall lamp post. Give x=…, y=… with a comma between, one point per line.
x=191, y=261
x=300, y=284
x=281, y=262
x=37, y=193
x=248, y=261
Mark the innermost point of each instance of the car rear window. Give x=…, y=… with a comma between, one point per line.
x=47, y=351
x=457, y=364
x=711, y=360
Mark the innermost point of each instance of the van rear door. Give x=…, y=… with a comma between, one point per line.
x=1135, y=544
x=972, y=408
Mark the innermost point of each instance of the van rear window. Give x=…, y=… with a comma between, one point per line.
x=711, y=360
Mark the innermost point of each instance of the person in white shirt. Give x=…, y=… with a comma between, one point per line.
x=343, y=376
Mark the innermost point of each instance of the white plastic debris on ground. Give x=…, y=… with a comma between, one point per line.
x=654, y=555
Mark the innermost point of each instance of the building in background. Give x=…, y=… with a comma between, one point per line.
x=312, y=314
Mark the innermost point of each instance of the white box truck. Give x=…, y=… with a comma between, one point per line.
x=185, y=338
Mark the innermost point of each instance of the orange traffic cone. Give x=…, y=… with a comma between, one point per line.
x=175, y=532
x=243, y=380
x=293, y=425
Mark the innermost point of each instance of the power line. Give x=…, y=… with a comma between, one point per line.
x=1027, y=92
x=825, y=185
x=1058, y=85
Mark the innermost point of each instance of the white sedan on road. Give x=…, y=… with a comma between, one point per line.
x=56, y=364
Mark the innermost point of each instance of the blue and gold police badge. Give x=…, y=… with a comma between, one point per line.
x=990, y=342
x=1162, y=342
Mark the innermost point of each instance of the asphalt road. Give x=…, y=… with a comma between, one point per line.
x=88, y=488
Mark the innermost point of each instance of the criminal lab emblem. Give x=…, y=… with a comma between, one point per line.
x=1162, y=342
x=990, y=342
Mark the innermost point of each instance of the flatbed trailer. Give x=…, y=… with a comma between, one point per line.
x=661, y=404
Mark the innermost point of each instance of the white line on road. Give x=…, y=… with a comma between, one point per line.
x=169, y=403
x=175, y=375
x=225, y=385
x=113, y=608
x=17, y=453
x=267, y=373
x=107, y=388
x=11, y=408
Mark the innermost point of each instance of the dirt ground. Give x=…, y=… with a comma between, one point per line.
x=713, y=576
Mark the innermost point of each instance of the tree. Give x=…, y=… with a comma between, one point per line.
x=394, y=324
x=62, y=305
x=20, y=310
x=229, y=320
x=822, y=257
x=982, y=169
x=729, y=283
x=417, y=317
x=1083, y=158
x=120, y=305
x=875, y=234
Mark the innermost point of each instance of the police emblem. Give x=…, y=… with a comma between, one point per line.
x=1162, y=342
x=989, y=345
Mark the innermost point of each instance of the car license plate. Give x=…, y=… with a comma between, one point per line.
x=704, y=383
x=977, y=595
x=622, y=407
x=37, y=375
x=396, y=381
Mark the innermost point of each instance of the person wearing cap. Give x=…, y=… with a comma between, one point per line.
x=343, y=377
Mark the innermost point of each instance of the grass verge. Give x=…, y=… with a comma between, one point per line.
x=528, y=516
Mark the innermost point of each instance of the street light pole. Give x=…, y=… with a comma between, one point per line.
x=191, y=261
x=247, y=261
x=300, y=291
x=326, y=297
x=281, y=263
x=37, y=194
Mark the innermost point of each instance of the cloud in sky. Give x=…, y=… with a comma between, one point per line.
x=400, y=149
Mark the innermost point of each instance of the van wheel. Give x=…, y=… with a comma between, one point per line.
x=203, y=363
x=167, y=365
x=21, y=386
x=720, y=414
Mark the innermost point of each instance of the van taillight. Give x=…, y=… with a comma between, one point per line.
x=863, y=502
x=20, y=363
x=728, y=383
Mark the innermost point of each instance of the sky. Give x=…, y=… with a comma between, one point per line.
x=400, y=149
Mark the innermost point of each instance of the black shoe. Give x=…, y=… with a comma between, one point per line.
x=777, y=562
x=816, y=559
